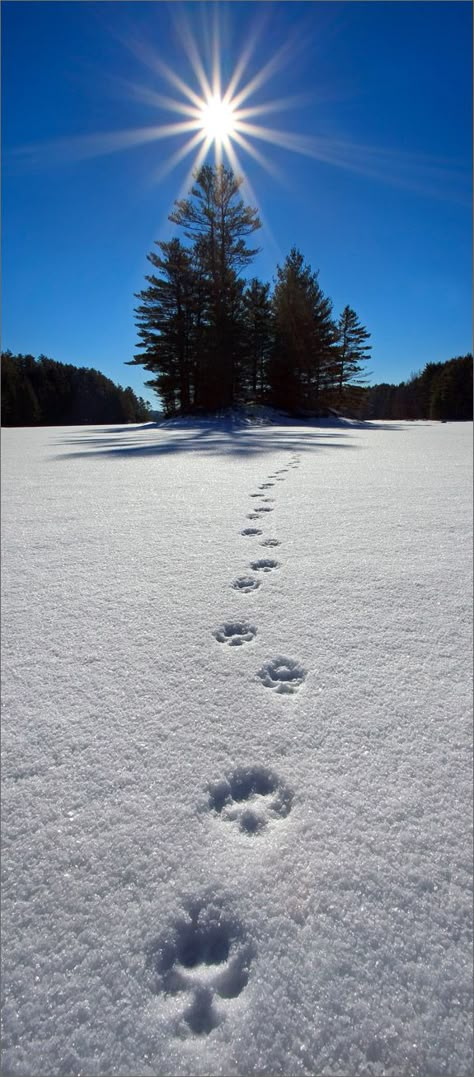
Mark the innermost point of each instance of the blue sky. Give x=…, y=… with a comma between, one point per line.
x=378, y=200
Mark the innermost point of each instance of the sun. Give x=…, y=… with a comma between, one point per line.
x=220, y=117
x=217, y=119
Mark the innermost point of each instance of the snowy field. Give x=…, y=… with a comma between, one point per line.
x=236, y=815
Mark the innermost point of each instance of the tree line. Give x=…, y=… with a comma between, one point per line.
x=441, y=391
x=43, y=392
x=212, y=340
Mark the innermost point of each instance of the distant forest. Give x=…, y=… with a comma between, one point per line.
x=441, y=391
x=42, y=392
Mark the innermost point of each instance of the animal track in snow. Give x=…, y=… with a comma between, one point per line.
x=246, y=583
x=251, y=531
x=252, y=516
x=284, y=675
x=266, y=485
x=235, y=633
x=205, y=957
x=263, y=508
x=264, y=564
x=269, y=499
x=270, y=542
x=282, y=471
x=252, y=797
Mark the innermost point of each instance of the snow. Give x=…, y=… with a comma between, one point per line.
x=236, y=818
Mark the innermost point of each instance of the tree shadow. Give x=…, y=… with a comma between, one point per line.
x=216, y=437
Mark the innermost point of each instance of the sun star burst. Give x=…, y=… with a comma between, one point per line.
x=217, y=119
x=213, y=113
x=225, y=121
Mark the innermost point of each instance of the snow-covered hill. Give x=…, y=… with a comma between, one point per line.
x=236, y=750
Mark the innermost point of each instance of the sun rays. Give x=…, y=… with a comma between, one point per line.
x=214, y=117
x=221, y=116
x=208, y=113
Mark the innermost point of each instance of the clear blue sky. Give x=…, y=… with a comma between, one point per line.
x=379, y=201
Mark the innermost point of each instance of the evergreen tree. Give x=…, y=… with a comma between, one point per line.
x=352, y=351
x=166, y=319
x=424, y=384
x=303, y=360
x=12, y=387
x=217, y=222
x=257, y=340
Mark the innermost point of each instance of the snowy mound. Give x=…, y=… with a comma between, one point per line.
x=255, y=415
x=227, y=419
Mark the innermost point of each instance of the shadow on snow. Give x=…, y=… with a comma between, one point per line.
x=234, y=437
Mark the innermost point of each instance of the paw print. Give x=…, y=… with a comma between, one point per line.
x=205, y=959
x=251, y=797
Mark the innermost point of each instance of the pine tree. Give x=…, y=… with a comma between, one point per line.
x=167, y=319
x=217, y=222
x=302, y=365
x=257, y=340
x=353, y=351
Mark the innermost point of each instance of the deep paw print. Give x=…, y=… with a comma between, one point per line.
x=252, y=531
x=206, y=958
x=266, y=485
x=270, y=542
x=251, y=797
x=235, y=633
x=246, y=583
x=252, y=516
x=264, y=564
x=283, y=675
x=263, y=508
x=282, y=471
